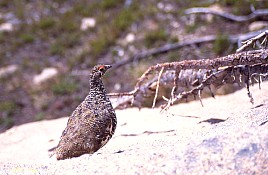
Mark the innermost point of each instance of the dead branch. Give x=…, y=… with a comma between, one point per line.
x=157, y=86
x=163, y=49
x=253, y=40
x=187, y=79
x=255, y=14
x=242, y=58
x=146, y=87
x=174, y=46
x=230, y=75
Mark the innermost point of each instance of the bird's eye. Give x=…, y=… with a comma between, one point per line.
x=101, y=68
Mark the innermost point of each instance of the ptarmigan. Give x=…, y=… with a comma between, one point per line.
x=93, y=122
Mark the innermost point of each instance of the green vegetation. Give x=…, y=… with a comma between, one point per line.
x=65, y=86
x=101, y=43
x=174, y=39
x=85, y=9
x=65, y=41
x=108, y=4
x=7, y=121
x=242, y=7
x=191, y=28
x=56, y=26
x=26, y=38
x=221, y=44
x=56, y=48
x=46, y=23
x=19, y=9
x=108, y=33
x=81, y=58
x=67, y=23
x=39, y=116
x=7, y=109
x=123, y=20
x=153, y=37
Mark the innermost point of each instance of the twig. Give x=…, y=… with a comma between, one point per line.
x=121, y=94
x=228, y=75
x=157, y=86
x=252, y=41
x=253, y=15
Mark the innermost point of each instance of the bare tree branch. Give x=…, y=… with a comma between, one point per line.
x=242, y=58
x=255, y=62
x=169, y=47
x=252, y=41
x=255, y=14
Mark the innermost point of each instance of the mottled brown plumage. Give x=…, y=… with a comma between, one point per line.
x=92, y=123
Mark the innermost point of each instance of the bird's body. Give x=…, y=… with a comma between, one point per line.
x=93, y=122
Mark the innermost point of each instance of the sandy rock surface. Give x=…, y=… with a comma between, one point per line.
x=228, y=135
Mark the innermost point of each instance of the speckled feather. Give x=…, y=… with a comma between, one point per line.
x=93, y=122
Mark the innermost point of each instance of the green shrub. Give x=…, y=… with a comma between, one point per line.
x=99, y=45
x=46, y=23
x=152, y=37
x=56, y=48
x=109, y=32
x=26, y=37
x=39, y=116
x=221, y=44
x=242, y=7
x=64, y=87
x=8, y=107
x=19, y=9
x=123, y=20
x=7, y=121
x=108, y=4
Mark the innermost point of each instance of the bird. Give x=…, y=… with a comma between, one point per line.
x=93, y=122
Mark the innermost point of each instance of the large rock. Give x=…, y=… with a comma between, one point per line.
x=6, y=27
x=45, y=75
x=228, y=135
x=8, y=70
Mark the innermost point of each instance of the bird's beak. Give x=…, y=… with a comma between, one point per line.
x=108, y=66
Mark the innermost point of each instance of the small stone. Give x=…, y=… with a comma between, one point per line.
x=165, y=7
x=8, y=70
x=160, y=5
x=257, y=25
x=87, y=23
x=168, y=8
x=117, y=86
x=130, y=38
x=175, y=24
x=120, y=52
x=6, y=27
x=46, y=74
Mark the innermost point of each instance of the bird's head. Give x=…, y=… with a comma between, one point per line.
x=99, y=70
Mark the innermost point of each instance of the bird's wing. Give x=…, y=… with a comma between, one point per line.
x=73, y=119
